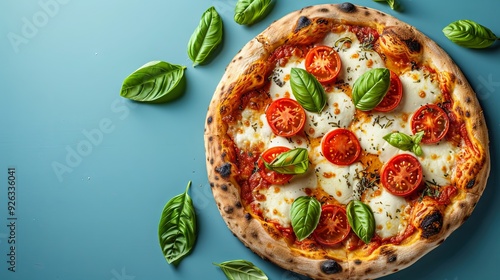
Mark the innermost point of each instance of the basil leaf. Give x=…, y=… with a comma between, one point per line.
x=305, y=213
x=206, y=37
x=295, y=161
x=248, y=12
x=241, y=269
x=155, y=82
x=394, y=4
x=361, y=219
x=307, y=90
x=406, y=142
x=369, y=89
x=469, y=34
x=177, y=227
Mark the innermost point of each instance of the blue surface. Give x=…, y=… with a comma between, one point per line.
x=93, y=170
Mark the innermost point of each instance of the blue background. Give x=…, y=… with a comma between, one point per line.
x=94, y=170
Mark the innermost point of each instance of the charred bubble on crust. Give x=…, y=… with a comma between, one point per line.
x=238, y=204
x=302, y=22
x=248, y=217
x=209, y=120
x=224, y=187
x=347, y=7
x=392, y=258
x=432, y=224
x=413, y=45
x=224, y=170
x=471, y=184
x=358, y=262
x=228, y=209
x=331, y=267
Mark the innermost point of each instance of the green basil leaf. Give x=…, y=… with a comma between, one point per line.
x=369, y=89
x=155, y=82
x=295, y=161
x=394, y=4
x=469, y=34
x=206, y=37
x=307, y=90
x=177, y=227
x=241, y=270
x=406, y=142
x=248, y=12
x=304, y=214
x=361, y=219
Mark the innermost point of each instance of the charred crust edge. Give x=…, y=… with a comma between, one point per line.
x=331, y=267
x=347, y=7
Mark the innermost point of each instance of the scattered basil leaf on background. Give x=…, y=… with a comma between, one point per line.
x=406, y=142
x=248, y=12
x=294, y=161
x=394, y=4
x=155, y=82
x=206, y=37
x=369, y=89
x=177, y=227
x=307, y=90
x=305, y=213
x=361, y=219
x=241, y=269
x=469, y=34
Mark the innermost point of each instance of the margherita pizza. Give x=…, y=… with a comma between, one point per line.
x=342, y=143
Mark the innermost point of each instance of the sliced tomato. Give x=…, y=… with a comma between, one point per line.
x=401, y=175
x=341, y=147
x=285, y=117
x=433, y=121
x=271, y=176
x=393, y=96
x=324, y=63
x=333, y=226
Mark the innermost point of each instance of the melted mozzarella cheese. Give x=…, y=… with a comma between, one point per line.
x=418, y=89
x=249, y=132
x=438, y=161
x=356, y=60
x=278, y=199
x=339, y=181
x=371, y=133
x=388, y=210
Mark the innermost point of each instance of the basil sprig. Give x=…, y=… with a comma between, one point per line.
x=361, y=220
x=241, y=269
x=307, y=90
x=177, y=227
x=469, y=34
x=248, y=12
x=406, y=142
x=295, y=161
x=304, y=214
x=369, y=89
x=155, y=82
x=206, y=37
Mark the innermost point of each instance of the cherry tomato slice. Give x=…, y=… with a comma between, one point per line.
x=340, y=146
x=393, y=97
x=333, y=226
x=401, y=175
x=324, y=63
x=285, y=117
x=269, y=175
x=433, y=121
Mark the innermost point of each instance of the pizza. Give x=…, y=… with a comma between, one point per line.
x=342, y=143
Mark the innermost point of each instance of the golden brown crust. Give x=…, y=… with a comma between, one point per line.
x=399, y=41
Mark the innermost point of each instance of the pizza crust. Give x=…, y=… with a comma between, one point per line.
x=242, y=70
